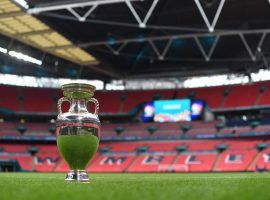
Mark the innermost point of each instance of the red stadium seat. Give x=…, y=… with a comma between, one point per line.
x=25, y=161
x=238, y=98
x=11, y=148
x=213, y=96
x=239, y=145
x=125, y=146
x=110, y=101
x=46, y=162
x=235, y=160
x=38, y=100
x=9, y=98
x=195, y=162
x=62, y=166
x=261, y=162
x=208, y=145
x=265, y=96
x=151, y=163
x=111, y=163
x=163, y=147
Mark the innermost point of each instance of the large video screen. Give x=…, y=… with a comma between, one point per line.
x=172, y=110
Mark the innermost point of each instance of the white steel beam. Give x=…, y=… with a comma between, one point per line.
x=261, y=41
x=201, y=48
x=116, y=51
x=155, y=49
x=167, y=47
x=210, y=53
x=142, y=23
x=259, y=46
x=62, y=6
x=252, y=56
x=78, y=16
x=210, y=27
x=161, y=55
x=179, y=36
x=207, y=56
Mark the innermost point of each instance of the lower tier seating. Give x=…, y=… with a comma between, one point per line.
x=151, y=156
x=235, y=160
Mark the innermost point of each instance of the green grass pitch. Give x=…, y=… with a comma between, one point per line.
x=49, y=186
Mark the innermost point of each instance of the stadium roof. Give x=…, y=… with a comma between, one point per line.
x=26, y=28
x=149, y=38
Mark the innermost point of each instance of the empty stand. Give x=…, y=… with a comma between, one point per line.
x=208, y=145
x=151, y=163
x=235, y=160
x=25, y=160
x=110, y=101
x=15, y=148
x=38, y=100
x=198, y=156
x=46, y=161
x=213, y=96
x=198, y=129
x=9, y=98
x=62, y=166
x=38, y=128
x=133, y=98
x=195, y=162
x=262, y=163
x=8, y=129
x=239, y=145
x=160, y=146
x=242, y=95
x=125, y=146
x=265, y=96
x=111, y=163
x=42, y=100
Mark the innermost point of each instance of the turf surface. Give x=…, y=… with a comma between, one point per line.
x=229, y=186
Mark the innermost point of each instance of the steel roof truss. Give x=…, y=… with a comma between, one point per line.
x=210, y=27
x=142, y=23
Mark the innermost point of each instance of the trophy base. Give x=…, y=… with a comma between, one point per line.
x=77, y=176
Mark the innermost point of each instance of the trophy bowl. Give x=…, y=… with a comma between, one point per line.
x=77, y=131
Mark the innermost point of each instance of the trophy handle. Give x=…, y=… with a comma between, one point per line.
x=93, y=100
x=59, y=104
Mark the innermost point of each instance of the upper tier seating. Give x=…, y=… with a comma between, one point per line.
x=265, y=98
x=133, y=98
x=9, y=98
x=213, y=96
x=109, y=101
x=38, y=100
x=44, y=100
x=241, y=96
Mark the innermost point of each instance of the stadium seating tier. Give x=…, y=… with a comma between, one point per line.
x=160, y=156
x=43, y=100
